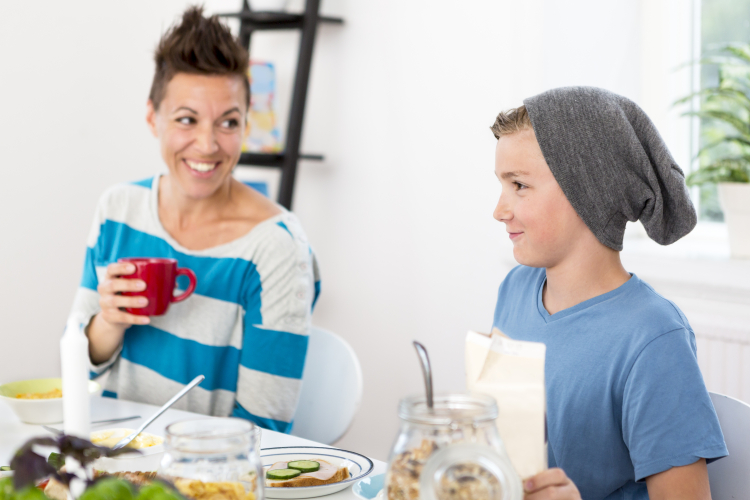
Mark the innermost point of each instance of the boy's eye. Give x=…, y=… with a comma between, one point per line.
x=186, y=120
x=519, y=186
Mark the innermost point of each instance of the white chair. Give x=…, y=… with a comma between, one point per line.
x=730, y=476
x=331, y=389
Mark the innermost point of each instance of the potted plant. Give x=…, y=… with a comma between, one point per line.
x=725, y=156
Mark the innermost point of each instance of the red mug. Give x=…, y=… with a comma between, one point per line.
x=160, y=276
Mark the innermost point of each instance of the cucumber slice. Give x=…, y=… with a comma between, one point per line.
x=304, y=465
x=282, y=474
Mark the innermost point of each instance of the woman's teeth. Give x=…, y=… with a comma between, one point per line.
x=201, y=167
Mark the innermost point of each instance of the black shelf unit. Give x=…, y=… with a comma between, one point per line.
x=307, y=22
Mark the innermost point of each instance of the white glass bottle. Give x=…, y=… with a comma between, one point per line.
x=74, y=360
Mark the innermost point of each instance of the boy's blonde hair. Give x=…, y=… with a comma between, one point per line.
x=511, y=121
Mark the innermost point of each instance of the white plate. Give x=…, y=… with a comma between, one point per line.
x=359, y=466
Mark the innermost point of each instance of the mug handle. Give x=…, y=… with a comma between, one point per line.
x=193, y=281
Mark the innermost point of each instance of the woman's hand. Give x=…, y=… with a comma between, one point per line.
x=112, y=304
x=550, y=484
x=106, y=330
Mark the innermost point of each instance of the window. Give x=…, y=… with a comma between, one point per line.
x=722, y=21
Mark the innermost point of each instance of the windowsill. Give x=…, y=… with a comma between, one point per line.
x=708, y=241
x=696, y=267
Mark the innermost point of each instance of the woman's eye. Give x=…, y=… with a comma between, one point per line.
x=230, y=123
x=186, y=120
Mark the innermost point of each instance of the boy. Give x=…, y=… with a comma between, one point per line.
x=628, y=414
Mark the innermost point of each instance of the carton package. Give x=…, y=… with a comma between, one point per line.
x=512, y=371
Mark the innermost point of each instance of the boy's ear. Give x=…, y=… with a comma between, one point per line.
x=151, y=117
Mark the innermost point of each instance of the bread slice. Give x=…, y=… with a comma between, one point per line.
x=307, y=478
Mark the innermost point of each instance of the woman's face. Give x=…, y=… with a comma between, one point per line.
x=201, y=124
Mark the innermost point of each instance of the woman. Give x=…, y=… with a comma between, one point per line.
x=245, y=327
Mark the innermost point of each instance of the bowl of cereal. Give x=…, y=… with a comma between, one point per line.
x=150, y=450
x=38, y=401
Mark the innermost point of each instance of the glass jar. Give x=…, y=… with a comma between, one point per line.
x=214, y=456
x=435, y=440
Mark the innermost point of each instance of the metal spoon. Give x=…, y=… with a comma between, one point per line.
x=124, y=441
x=424, y=359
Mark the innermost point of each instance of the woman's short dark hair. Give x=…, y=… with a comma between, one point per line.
x=198, y=45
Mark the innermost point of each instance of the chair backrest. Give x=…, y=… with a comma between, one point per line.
x=730, y=476
x=331, y=389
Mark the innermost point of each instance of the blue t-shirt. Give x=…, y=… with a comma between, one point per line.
x=625, y=396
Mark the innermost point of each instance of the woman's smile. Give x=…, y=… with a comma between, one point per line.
x=201, y=169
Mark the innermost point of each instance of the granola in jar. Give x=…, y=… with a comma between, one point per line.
x=454, y=418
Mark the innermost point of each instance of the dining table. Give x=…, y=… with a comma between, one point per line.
x=14, y=433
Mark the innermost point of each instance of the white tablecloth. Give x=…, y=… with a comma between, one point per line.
x=13, y=433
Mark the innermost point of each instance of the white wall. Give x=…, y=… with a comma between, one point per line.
x=400, y=213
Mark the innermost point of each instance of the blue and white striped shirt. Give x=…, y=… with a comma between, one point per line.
x=245, y=327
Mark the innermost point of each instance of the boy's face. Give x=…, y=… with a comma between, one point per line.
x=540, y=220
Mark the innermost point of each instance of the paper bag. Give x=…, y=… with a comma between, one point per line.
x=512, y=371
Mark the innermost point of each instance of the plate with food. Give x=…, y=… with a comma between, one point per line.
x=311, y=471
x=150, y=451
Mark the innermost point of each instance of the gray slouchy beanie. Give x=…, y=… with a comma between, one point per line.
x=611, y=163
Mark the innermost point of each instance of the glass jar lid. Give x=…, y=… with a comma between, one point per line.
x=448, y=409
x=211, y=435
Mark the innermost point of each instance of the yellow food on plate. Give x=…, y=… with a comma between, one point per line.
x=53, y=394
x=224, y=490
x=111, y=437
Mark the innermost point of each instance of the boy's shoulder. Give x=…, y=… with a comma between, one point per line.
x=652, y=308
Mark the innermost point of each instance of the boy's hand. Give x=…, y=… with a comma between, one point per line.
x=550, y=484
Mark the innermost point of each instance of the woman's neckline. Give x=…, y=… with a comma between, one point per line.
x=154, y=209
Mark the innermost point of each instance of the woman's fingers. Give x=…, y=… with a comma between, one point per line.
x=115, y=285
x=550, y=484
x=109, y=301
x=118, y=317
x=120, y=269
x=112, y=303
